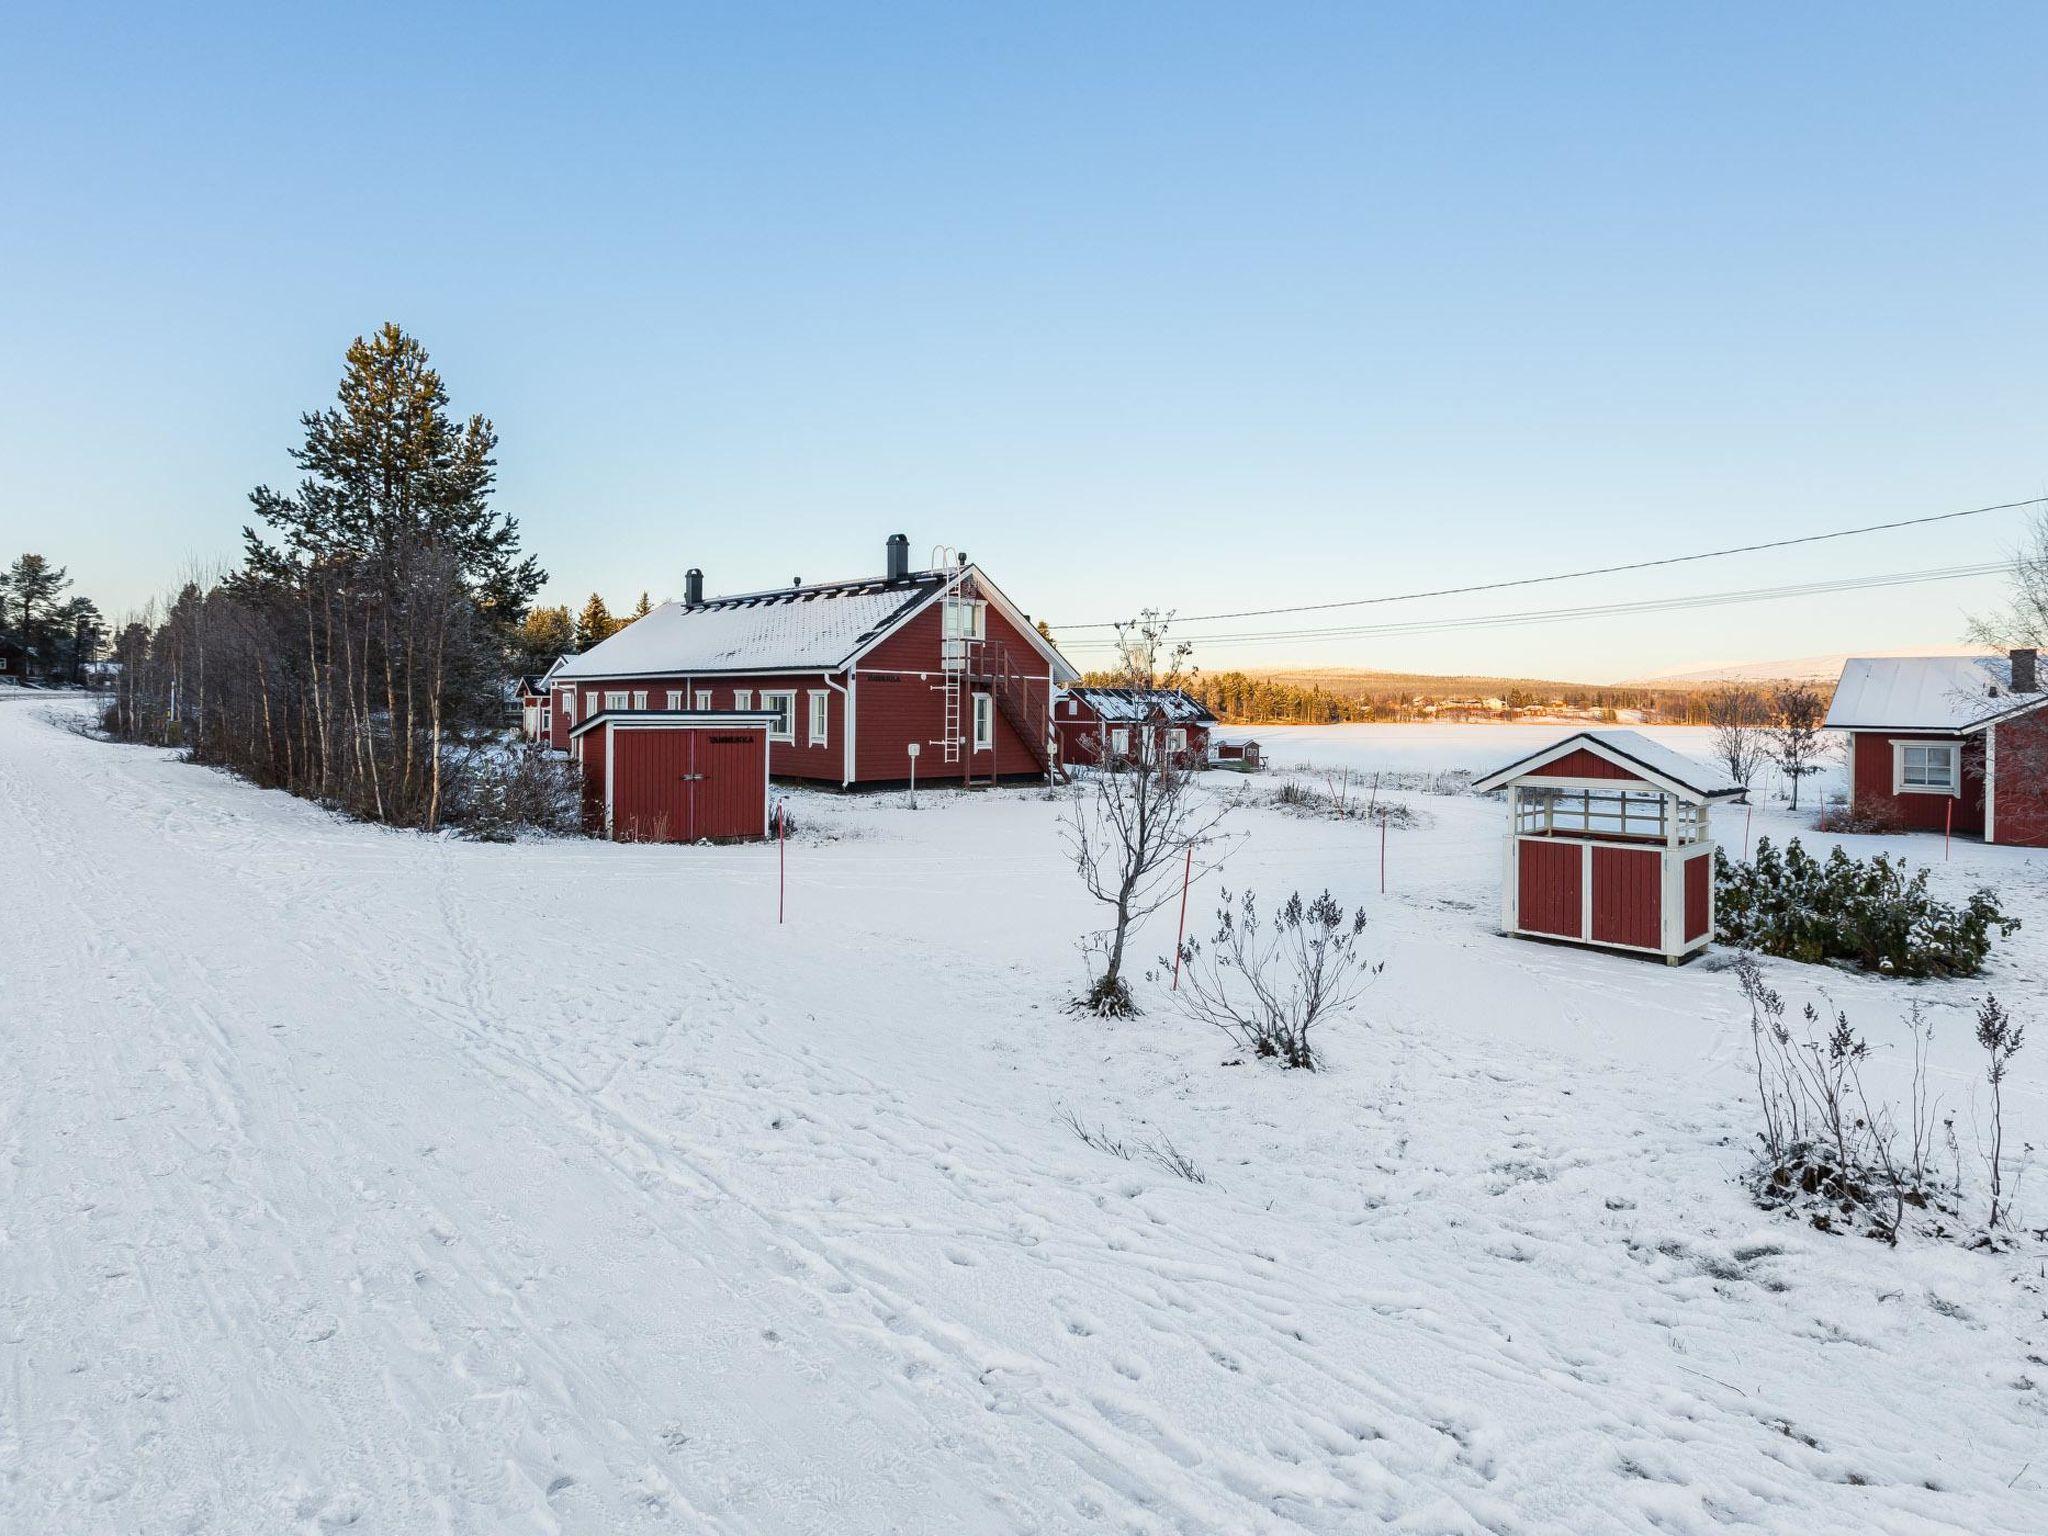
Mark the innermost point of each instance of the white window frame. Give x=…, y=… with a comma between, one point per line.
x=569, y=705
x=785, y=708
x=615, y=698
x=966, y=620
x=589, y=702
x=675, y=698
x=1927, y=786
x=1177, y=739
x=639, y=698
x=547, y=721
x=819, y=726
x=1120, y=741
x=984, y=722
x=743, y=698
x=703, y=698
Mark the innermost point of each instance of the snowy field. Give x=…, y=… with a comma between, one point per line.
x=355, y=1180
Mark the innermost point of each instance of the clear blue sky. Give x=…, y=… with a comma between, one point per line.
x=1210, y=306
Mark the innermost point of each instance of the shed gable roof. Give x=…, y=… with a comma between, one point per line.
x=1956, y=694
x=1636, y=757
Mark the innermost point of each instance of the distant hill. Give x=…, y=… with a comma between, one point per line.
x=1795, y=669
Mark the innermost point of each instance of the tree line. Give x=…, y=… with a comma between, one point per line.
x=547, y=633
x=43, y=633
x=357, y=655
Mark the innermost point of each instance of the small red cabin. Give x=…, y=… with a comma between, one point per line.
x=675, y=776
x=1243, y=753
x=1608, y=844
x=1090, y=720
x=1947, y=744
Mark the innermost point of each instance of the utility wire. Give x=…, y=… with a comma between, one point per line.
x=1585, y=611
x=1603, y=570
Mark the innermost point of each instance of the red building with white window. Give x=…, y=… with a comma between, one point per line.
x=1091, y=721
x=1947, y=743
x=857, y=677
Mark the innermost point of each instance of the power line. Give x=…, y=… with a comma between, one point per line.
x=1586, y=611
x=1603, y=570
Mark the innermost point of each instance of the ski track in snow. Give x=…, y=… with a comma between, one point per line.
x=351, y=1180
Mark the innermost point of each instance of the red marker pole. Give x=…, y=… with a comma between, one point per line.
x=1383, y=855
x=1180, y=943
x=1748, y=811
x=1948, y=828
x=781, y=860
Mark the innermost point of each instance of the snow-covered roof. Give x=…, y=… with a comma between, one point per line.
x=789, y=629
x=1651, y=760
x=1142, y=704
x=1927, y=693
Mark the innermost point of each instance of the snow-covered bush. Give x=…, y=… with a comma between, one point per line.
x=1869, y=912
x=1342, y=798
x=1267, y=985
x=494, y=796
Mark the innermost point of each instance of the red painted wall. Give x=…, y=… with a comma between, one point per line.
x=1871, y=786
x=900, y=702
x=1699, y=877
x=1628, y=896
x=1581, y=764
x=1548, y=881
x=2021, y=782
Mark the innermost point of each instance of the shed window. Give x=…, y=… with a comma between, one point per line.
x=1926, y=768
x=821, y=716
x=783, y=706
x=984, y=722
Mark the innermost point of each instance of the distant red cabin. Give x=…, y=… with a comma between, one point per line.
x=675, y=776
x=934, y=672
x=1608, y=844
x=1947, y=744
x=1093, y=721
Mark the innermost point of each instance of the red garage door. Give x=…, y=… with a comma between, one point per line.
x=677, y=785
x=1548, y=877
x=1628, y=897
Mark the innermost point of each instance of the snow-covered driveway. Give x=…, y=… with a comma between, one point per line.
x=350, y=1179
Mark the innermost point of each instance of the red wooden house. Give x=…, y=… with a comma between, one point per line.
x=858, y=677
x=1090, y=721
x=1947, y=743
x=1608, y=844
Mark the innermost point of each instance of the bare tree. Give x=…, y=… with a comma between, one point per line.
x=1742, y=741
x=2001, y=1039
x=1796, y=740
x=1140, y=821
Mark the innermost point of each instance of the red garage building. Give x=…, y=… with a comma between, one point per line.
x=675, y=776
x=857, y=676
x=1608, y=844
x=1947, y=743
x=1090, y=720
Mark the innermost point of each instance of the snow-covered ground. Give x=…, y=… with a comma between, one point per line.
x=351, y=1179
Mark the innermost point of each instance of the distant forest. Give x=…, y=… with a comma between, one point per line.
x=1332, y=698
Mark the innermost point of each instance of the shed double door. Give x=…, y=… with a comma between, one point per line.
x=677, y=786
x=1623, y=905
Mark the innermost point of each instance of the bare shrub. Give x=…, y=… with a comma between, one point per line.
x=1268, y=985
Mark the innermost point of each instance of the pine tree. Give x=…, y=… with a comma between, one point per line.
x=544, y=634
x=33, y=585
x=595, y=624
x=640, y=609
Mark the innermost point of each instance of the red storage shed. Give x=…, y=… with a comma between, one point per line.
x=1608, y=844
x=675, y=776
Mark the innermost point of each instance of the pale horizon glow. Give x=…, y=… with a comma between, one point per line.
x=1178, y=306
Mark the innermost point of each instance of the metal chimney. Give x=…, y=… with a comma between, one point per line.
x=2025, y=670
x=899, y=557
x=693, y=588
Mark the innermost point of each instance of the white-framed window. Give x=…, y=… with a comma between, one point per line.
x=589, y=702
x=1073, y=708
x=615, y=698
x=964, y=621
x=1927, y=768
x=1177, y=740
x=782, y=704
x=821, y=716
x=1120, y=741
x=639, y=698
x=675, y=698
x=743, y=698
x=984, y=722
x=547, y=722
x=569, y=705
x=703, y=698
